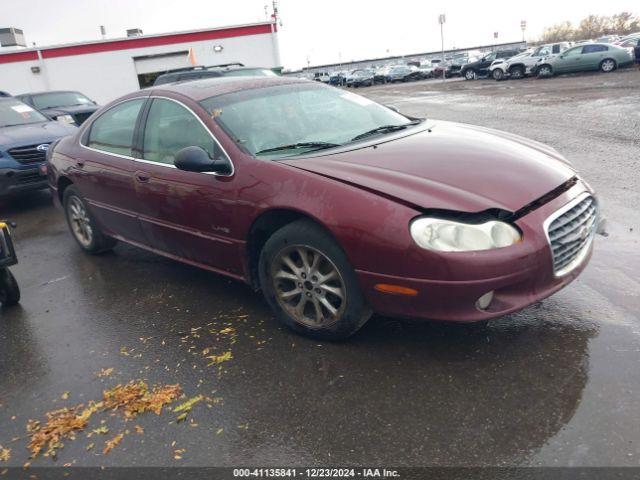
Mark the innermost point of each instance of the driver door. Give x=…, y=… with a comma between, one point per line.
x=184, y=214
x=569, y=61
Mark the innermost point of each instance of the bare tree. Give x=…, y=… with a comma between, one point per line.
x=591, y=27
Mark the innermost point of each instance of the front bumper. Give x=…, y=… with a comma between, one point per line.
x=519, y=276
x=21, y=180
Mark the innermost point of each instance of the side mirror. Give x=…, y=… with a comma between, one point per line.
x=196, y=159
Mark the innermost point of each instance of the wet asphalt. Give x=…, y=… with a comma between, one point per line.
x=556, y=384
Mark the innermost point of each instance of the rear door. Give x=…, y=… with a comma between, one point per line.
x=592, y=55
x=104, y=170
x=184, y=214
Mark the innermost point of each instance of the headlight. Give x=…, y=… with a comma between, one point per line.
x=451, y=236
x=65, y=119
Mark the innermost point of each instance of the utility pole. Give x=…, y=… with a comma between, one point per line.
x=441, y=20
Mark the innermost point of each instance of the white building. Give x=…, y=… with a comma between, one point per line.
x=106, y=69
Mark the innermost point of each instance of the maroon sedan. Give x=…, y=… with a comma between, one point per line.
x=334, y=206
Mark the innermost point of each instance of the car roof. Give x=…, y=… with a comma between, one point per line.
x=211, y=87
x=34, y=94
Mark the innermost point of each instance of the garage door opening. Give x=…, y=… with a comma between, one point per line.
x=150, y=67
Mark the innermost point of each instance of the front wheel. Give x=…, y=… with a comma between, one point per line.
x=9, y=290
x=544, y=71
x=497, y=74
x=608, y=65
x=517, y=73
x=470, y=75
x=310, y=285
x=83, y=226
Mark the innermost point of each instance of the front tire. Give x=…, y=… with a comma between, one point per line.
x=9, y=290
x=310, y=285
x=517, y=73
x=470, y=74
x=545, y=71
x=608, y=65
x=497, y=74
x=84, y=228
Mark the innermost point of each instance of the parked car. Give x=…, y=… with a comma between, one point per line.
x=338, y=78
x=360, y=78
x=480, y=67
x=64, y=106
x=632, y=45
x=592, y=56
x=331, y=204
x=323, y=77
x=403, y=73
x=380, y=75
x=525, y=63
x=460, y=59
x=226, y=70
x=25, y=136
x=608, y=39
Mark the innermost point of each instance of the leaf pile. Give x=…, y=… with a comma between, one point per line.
x=131, y=399
x=5, y=454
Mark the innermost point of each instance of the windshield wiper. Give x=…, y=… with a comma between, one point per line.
x=385, y=129
x=295, y=146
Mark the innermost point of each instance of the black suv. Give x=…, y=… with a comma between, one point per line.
x=480, y=68
x=226, y=70
x=64, y=106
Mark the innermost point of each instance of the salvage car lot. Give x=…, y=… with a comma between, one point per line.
x=555, y=384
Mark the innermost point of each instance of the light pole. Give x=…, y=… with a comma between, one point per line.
x=523, y=27
x=441, y=20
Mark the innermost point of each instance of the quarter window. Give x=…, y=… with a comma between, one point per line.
x=112, y=131
x=170, y=127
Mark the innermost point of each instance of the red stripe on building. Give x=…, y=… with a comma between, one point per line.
x=141, y=42
x=18, y=57
x=155, y=41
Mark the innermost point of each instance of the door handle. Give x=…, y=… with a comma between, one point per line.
x=142, y=177
x=80, y=163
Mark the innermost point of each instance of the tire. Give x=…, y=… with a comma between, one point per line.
x=469, y=74
x=545, y=71
x=303, y=244
x=9, y=290
x=82, y=224
x=517, y=72
x=497, y=74
x=608, y=65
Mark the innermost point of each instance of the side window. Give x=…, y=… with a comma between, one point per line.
x=555, y=49
x=112, y=131
x=572, y=52
x=594, y=48
x=171, y=127
x=544, y=51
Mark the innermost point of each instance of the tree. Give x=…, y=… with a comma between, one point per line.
x=558, y=32
x=591, y=27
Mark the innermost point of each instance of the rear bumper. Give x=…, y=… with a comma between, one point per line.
x=21, y=180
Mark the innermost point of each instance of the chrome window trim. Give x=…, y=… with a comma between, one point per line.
x=579, y=258
x=167, y=165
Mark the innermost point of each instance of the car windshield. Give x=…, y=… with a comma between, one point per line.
x=14, y=112
x=297, y=118
x=252, y=72
x=60, y=99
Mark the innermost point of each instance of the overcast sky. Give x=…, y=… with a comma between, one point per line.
x=326, y=31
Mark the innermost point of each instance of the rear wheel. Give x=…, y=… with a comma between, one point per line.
x=9, y=290
x=517, y=72
x=83, y=226
x=308, y=282
x=608, y=65
x=470, y=74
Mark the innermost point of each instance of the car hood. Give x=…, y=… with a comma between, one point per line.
x=34, y=133
x=449, y=166
x=70, y=110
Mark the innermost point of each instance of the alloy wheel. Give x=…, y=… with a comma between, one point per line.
x=308, y=286
x=608, y=65
x=80, y=221
x=470, y=75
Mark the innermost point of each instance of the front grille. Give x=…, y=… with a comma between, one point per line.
x=571, y=231
x=28, y=154
x=30, y=177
